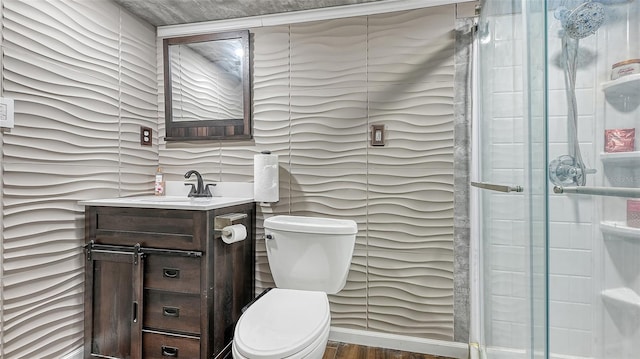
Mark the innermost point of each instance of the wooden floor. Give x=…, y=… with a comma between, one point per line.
x=337, y=350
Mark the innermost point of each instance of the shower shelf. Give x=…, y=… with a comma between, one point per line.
x=619, y=230
x=622, y=297
x=625, y=85
x=630, y=158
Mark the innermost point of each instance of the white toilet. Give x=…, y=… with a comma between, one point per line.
x=309, y=258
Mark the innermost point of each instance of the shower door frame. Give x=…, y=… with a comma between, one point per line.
x=535, y=194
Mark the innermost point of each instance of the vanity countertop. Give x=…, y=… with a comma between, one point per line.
x=169, y=202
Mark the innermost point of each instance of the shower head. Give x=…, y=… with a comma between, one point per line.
x=582, y=21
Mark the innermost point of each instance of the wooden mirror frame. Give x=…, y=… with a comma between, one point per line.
x=227, y=129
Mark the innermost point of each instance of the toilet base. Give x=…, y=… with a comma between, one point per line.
x=313, y=351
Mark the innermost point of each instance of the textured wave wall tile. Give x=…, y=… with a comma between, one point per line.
x=349, y=306
x=410, y=211
x=43, y=267
x=418, y=120
x=411, y=293
x=410, y=231
x=63, y=94
x=78, y=112
x=331, y=192
x=318, y=56
x=138, y=92
x=271, y=94
x=329, y=128
x=138, y=106
x=411, y=46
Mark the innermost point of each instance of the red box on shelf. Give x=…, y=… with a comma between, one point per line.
x=633, y=213
x=619, y=140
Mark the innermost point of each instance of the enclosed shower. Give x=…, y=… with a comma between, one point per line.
x=557, y=166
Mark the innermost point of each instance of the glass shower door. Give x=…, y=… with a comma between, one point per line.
x=510, y=149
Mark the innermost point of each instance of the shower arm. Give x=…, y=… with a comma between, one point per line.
x=600, y=191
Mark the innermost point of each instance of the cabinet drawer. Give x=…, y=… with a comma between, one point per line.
x=172, y=311
x=174, y=229
x=172, y=273
x=161, y=346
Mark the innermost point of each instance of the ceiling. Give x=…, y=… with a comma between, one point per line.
x=173, y=12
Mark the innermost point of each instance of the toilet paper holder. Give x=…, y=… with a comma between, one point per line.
x=226, y=220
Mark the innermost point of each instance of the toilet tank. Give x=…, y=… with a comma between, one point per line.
x=310, y=253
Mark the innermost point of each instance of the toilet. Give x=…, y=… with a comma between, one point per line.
x=309, y=258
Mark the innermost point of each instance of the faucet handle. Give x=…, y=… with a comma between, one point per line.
x=193, y=189
x=207, y=192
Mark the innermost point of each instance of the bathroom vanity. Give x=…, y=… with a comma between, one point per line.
x=159, y=280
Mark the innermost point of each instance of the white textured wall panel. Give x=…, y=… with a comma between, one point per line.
x=317, y=88
x=329, y=54
x=82, y=87
x=328, y=128
x=138, y=95
x=138, y=104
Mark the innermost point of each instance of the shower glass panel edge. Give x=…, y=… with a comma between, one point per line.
x=512, y=140
x=536, y=118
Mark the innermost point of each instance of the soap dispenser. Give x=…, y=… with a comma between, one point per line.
x=159, y=188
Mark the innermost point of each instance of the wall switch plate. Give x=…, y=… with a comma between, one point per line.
x=6, y=112
x=377, y=135
x=146, y=136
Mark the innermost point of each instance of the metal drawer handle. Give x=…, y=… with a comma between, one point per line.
x=171, y=273
x=169, y=351
x=171, y=311
x=135, y=311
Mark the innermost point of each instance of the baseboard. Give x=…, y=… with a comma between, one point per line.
x=400, y=342
x=76, y=354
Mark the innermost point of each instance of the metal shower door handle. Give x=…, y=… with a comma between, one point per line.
x=600, y=191
x=497, y=187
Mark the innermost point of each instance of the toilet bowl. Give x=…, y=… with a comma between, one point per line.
x=309, y=258
x=284, y=323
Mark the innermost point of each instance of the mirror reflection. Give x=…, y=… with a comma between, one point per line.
x=207, y=87
x=206, y=79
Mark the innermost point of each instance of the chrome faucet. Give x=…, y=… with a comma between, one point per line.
x=200, y=190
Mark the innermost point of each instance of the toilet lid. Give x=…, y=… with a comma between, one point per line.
x=281, y=323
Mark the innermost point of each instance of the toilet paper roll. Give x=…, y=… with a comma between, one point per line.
x=265, y=178
x=234, y=233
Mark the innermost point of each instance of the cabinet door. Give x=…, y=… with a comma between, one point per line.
x=113, y=304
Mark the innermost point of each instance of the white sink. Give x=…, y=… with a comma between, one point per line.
x=169, y=202
x=159, y=199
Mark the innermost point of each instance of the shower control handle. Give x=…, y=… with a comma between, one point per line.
x=497, y=187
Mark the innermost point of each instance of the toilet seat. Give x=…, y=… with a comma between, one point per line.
x=282, y=323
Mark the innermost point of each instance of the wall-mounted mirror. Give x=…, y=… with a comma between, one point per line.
x=207, y=87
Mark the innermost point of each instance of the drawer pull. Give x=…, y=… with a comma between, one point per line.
x=171, y=273
x=169, y=351
x=171, y=311
x=135, y=312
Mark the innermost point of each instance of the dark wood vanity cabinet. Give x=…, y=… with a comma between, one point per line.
x=161, y=283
